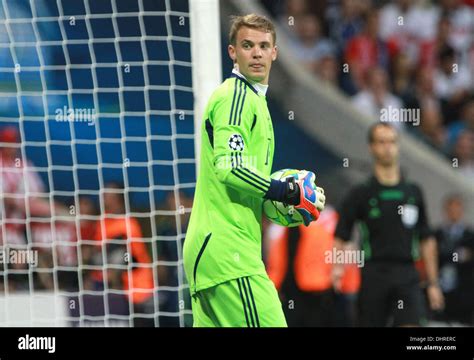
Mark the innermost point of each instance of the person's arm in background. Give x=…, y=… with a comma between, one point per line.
x=429, y=255
x=338, y=269
x=348, y=214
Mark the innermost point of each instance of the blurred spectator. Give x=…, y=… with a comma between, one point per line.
x=451, y=83
x=401, y=74
x=463, y=152
x=430, y=129
x=11, y=185
x=177, y=205
x=128, y=263
x=87, y=217
x=327, y=69
x=297, y=262
x=456, y=258
x=21, y=179
x=366, y=51
x=292, y=9
x=309, y=45
x=422, y=91
x=23, y=199
x=377, y=97
x=345, y=22
x=429, y=49
x=90, y=254
x=465, y=123
x=18, y=183
x=298, y=267
x=462, y=26
x=404, y=25
x=55, y=240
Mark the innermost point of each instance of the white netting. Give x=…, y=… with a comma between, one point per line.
x=96, y=196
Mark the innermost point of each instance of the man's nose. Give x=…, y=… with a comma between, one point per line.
x=257, y=53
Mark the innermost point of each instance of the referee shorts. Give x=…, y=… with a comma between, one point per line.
x=390, y=294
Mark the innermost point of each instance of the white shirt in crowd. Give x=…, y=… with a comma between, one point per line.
x=365, y=102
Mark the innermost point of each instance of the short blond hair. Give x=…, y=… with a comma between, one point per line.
x=252, y=21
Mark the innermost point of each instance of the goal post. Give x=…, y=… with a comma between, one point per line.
x=206, y=56
x=106, y=98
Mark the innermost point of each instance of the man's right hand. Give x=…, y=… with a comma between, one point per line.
x=311, y=197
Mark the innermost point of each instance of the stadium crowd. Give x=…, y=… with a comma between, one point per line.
x=414, y=58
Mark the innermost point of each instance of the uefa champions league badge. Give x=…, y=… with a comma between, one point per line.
x=236, y=142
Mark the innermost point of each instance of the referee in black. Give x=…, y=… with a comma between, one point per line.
x=394, y=233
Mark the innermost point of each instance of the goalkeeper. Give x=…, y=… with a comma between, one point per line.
x=222, y=251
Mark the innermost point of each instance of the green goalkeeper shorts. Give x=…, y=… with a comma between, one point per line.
x=244, y=302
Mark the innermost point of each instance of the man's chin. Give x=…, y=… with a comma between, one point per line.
x=388, y=162
x=255, y=77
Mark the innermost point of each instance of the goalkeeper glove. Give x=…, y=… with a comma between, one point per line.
x=307, y=198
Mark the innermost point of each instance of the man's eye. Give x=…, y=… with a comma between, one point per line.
x=246, y=46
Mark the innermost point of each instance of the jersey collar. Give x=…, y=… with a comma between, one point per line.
x=373, y=179
x=257, y=88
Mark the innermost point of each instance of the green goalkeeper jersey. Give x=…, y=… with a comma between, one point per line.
x=223, y=240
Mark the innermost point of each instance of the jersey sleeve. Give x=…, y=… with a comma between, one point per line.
x=234, y=163
x=348, y=214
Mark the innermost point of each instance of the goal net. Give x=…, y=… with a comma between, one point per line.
x=98, y=169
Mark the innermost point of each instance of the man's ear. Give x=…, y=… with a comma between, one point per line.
x=274, y=53
x=370, y=148
x=231, y=51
